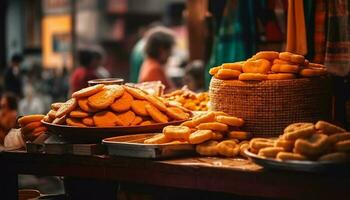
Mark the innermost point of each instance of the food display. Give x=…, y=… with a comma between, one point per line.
x=213, y=133
x=269, y=65
x=31, y=125
x=322, y=141
x=114, y=105
x=189, y=99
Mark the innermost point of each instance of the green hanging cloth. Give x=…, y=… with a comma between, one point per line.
x=236, y=38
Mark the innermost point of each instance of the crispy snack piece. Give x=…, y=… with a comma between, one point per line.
x=60, y=120
x=328, y=128
x=230, y=120
x=52, y=114
x=39, y=130
x=156, y=103
x=83, y=104
x=88, y=121
x=298, y=130
x=200, y=136
x=312, y=72
x=334, y=138
x=56, y=106
x=242, y=147
x=106, y=119
x=189, y=124
x=123, y=103
x=270, y=152
x=217, y=136
x=285, y=68
x=315, y=145
x=259, y=66
x=287, y=145
x=214, y=70
x=28, y=128
x=106, y=97
x=252, y=77
x=48, y=119
x=280, y=76
x=86, y=92
x=127, y=117
x=268, y=55
x=290, y=156
x=66, y=107
x=239, y=135
x=177, y=132
x=214, y=126
x=139, y=107
x=146, y=123
x=228, y=148
x=78, y=114
x=156, y=115
x=291, y=57
x=137, y=120
x=157, y=139
x=342, y=145
x=29, y=118
x=336, y=156
x=279, y=61
x=233, y=66
x=176, y=113
x=226, y=74
x=259, y=143
x=136, y=93
x=208, y=148
x=75, y=122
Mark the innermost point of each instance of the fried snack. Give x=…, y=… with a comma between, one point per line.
x=226, y=74
x=234, y=66
x=337, y=156
x=261, y=66
x=127, y=117
x=230, y=120
x=214, y=126
x=268, y=55
x=228, y=148
x=60, y=120
x=137, y=120
x=214, y=70
x=88, y=121
x=285, y=68
x=106, y=97
x=270, y=152
x=139, y=107
x=220, y=113
x=177, y=142
x=123, y=103
x=86, y=92
x=312, y=72
x=200, y=136
x=75, y=122
x=287, y=145
x=56, y=106
x=316, y=65
x=28, y=128
x=48, y=119
x=66, y=107
x=298, y=130
x=146, y=123
x=156, y=115
x=280, y=76
x=259, y=143
x=209, y=117
x=332, y=139
x=39, y=130
x=157, y=139
x=177, y=132
x=328, y=128
x=217, y=136
x=189, y=124
x=252, y=77
x=52, y=114
x=342, y=145
x=294, y=58
x=156, y=102
x=78, y=114
x=29, y=118
x=208, y=148
x=136, y=93
x=106, y=119
x=176, y=113
x=239, y=135
x=279, y=61
x=290, y=156
x=242, y=147
x=315, y=145
x=83, y=104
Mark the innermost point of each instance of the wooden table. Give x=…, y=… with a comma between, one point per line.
x=231, y=176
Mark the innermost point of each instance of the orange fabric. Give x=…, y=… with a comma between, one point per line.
x=296, y=33
x=151, y=70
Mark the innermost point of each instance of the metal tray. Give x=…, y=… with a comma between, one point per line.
x=305, y=166
x=133, y=146
x=96, y=134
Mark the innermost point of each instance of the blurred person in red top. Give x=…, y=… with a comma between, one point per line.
x=85, y=72
x=8, y=114
x=157, y=49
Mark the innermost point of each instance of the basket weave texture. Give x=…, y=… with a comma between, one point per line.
x=269, y=106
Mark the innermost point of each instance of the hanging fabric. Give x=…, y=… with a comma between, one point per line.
x=320, y=31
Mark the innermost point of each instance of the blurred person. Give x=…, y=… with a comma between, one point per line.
x=31, y=103
x=157, y=50
x=85, y=72
x=8, y=114
x=194, y=76
x=13, y=77
x=101, y=71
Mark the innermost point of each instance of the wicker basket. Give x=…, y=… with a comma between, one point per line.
x=269, y=106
